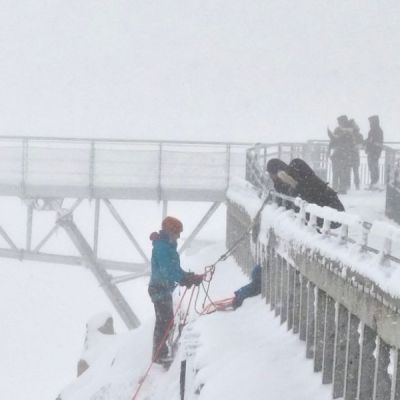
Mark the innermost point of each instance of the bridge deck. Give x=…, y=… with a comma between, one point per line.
x=190, y=171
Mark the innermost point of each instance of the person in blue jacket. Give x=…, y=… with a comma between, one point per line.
x=250, y=290
x=166, y=273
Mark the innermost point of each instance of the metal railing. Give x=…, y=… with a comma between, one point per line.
x=64, y=167
x=350, y=325
x=315, y=153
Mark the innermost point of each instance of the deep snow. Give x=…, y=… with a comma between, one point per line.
x=45, y=308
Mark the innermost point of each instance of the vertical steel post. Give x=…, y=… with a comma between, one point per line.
x=29, y=227
x=96, y=228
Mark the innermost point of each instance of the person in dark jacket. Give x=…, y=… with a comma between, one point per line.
x=342, y=145
x=250, y=290
x=373, y=147
x=312, y=189
x=357, y=145
x=274, y=167
x=166, y=273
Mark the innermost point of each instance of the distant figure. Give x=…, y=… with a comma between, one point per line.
x=341, y=143
x=373, y=147
x=250, y=290
x=357, y=145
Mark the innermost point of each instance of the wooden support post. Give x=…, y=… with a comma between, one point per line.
x=382, y=379
x=352, y=358
x=367, y=364
x=310, y=333
x=319, y=330
x=396, y=376
x=296, y=301
x=303, y=308
x=267, y=282
x=278, y=285
x=290, y=301
x=329, y=341
x=284, y=290
x=273, y=278
x=339, y=364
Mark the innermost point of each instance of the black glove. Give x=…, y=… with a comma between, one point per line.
x=190, y=278
x=197, y=279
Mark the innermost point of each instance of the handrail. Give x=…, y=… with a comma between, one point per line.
x=317, y=211
x=122, y=141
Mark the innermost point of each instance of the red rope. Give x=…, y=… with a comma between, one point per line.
x=218, y=305
x=171, y=323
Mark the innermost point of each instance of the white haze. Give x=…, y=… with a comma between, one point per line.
x=228, y=70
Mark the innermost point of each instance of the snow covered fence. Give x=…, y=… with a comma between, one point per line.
x=337, y=293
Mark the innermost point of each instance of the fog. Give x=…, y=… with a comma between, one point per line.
x=216, y=70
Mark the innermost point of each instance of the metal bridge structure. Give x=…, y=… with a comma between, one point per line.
x=45, y=172
x=350, y=324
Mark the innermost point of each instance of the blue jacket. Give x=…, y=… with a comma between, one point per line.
x=250, y=290
x=166, y=268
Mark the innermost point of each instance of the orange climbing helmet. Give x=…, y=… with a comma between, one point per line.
x=172, y=224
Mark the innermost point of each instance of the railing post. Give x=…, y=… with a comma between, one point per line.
x=342, y=318
x=290, y=297
x=296, y=301
x=329, y=341
x=367, y=363
x=352, y=358
x=383, y=384
x=310, y=332
x=319, y=330
x=284, y=291
x=303, y=308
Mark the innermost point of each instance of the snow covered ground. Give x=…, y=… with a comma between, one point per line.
x=45, y=308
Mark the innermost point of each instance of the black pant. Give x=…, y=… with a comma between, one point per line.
x=164, y=315
x=373, y=165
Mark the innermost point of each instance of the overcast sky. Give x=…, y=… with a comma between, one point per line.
x=230, y=70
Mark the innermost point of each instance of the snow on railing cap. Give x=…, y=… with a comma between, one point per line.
x=333, y=215
x=245, y=194
x=386, y=230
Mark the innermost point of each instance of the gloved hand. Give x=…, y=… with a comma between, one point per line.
x=197, y=279
x=190, y=278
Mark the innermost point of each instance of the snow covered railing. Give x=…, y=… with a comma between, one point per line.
x=361, y=229
x=334, y=290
